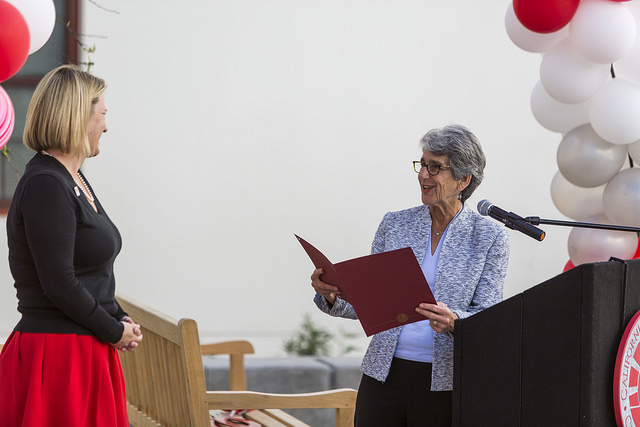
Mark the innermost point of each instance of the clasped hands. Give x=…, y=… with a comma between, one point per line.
x=440, y=316
x=131, y=336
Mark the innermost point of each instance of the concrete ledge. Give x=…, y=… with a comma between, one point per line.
x=345, y=371
x=290, y=375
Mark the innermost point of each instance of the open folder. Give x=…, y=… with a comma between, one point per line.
x=384, y=288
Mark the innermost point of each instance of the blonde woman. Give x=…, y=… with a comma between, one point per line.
x=60, y=366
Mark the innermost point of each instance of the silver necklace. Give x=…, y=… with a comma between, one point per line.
x=84, y=187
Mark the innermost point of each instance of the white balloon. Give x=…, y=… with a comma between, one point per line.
x=576, y=202
x=594, y=245
x=621, y=198
x=41, y=18
x=615, y=110
x=554, y=115
x=634, y=151
x=568, y=77
x=634, y=7
x=628, y=66
x=529, y=40
x=602, y=31
x=587, y=160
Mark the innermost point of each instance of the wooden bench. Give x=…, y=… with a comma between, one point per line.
x=166, y=385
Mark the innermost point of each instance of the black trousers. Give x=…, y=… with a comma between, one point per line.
x=404, y=399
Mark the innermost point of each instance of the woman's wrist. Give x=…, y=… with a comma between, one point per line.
x=329, y=302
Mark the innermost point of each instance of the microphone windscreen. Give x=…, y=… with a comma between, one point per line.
x=483, y=207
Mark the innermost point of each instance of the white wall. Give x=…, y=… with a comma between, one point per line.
x=235, y=124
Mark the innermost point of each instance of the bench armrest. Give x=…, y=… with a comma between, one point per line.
x=236, y=351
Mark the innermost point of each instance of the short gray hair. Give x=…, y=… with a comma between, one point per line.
x=464, y=152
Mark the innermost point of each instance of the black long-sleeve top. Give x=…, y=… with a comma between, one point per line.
x=61, y=255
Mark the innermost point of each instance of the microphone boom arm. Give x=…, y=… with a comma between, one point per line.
x=534, y=220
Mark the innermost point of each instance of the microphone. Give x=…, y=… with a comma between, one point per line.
x=511, y=220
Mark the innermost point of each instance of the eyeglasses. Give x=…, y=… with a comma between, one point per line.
x=432, y=168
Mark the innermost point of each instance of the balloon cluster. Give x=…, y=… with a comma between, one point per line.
x=589, y=92
x=7, y=116
x=25, y=26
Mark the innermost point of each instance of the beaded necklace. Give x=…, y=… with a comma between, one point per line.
x=84, y=187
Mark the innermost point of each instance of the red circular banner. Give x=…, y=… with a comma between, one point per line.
x=626, y=393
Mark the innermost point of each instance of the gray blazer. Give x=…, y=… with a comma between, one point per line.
x=469, y=278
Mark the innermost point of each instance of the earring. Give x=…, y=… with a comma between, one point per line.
x=460, y=196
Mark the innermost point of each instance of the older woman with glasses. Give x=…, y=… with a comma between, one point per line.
x=408, y=371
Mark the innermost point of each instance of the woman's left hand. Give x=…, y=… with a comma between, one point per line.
x=440, y=316
x=136, y=330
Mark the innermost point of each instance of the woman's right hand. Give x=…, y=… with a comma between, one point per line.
x=131, y=336
x=329, y=292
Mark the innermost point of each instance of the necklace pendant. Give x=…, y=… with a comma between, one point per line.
x=77, y=190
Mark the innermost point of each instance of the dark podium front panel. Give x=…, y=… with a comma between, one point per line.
x=546, y=357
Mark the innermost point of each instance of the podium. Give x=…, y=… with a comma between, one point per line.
x=546, y=357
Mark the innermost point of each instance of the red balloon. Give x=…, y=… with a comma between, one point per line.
x=14, y=40
x=545, y=16
x=568, y=266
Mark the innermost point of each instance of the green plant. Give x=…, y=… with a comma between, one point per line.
x=89, y=50
x=311, y=340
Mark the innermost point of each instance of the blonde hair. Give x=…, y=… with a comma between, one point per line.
x=59, y=110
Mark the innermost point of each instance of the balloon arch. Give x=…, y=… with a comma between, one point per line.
x=589, y=93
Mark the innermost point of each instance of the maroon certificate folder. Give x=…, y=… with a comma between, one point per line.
x=384, y=288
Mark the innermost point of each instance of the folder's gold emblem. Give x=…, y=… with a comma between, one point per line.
x=402, y=317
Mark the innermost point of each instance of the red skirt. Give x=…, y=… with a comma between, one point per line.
x=60, y=380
